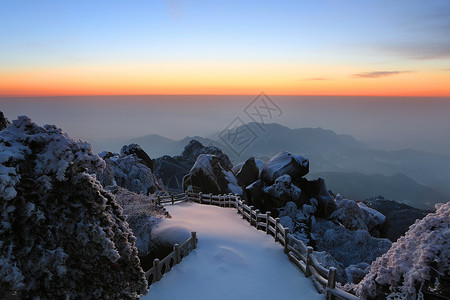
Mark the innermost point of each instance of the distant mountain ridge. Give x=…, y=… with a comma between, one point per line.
x=333, y=155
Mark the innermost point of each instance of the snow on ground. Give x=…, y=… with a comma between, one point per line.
x=232, y=261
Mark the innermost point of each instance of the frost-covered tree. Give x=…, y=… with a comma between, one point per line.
x=418, y=261
x=61, y=235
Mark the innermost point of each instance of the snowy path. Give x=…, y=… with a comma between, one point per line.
x=233, y=260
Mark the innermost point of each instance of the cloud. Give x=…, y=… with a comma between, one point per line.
x=422, y=51
x=316, y=79
x=378, y=74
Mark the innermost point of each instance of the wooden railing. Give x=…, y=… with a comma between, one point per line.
x=301, y=255
x=171, y=199
x=161, y=267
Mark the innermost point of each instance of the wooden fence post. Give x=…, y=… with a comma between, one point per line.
x=172, y=199
x=157, y=267
x=256, y=218
x=194, y=239
x=331, y=284
x=309, y=251
x=251, y=215
x=268, y=213
x=277, y=221
x=176, y=248
x=200, y=196
x=286, y=240
x=210, y=198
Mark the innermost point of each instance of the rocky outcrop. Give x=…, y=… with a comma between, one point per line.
x=210, y=174
x=281, y=192
x=127, y=171
x=296, y=166
x=247, y=173
x=195, y=148
x=3, y=121
x=357, y=216
x=171, y=170
x=141, y=155
x=399, y=216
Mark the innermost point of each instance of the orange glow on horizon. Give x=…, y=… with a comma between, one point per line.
x=219, y=79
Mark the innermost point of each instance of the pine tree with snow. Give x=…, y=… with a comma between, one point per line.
x=418, y=262
x=61, y=234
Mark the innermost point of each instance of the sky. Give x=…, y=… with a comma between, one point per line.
x=353, y=47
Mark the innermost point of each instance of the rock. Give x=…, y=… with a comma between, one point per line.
x=248, y=173
x=141, y=155
x=283, y=163
x=355, y=273
x=171, y=170
x=399, y=216
x=3, y=121
x=210, y=174
x=195, y=148
x=318, y=190
x=355, y=216
x=254, y=193
x=281, y=192
x=327, y=261
x=346, y=246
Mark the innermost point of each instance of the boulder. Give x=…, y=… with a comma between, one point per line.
x=195, y=148
x=283, y=163
x=248, y=172
x=318, y=190
x=171, y=170
x=399, y=216
x=281, y=192
x=356, y=216
x=210, y=174
x=254, y=193
x=141, y=155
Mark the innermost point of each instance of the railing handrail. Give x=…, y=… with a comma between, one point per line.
x=161, y=267
x=301, y=255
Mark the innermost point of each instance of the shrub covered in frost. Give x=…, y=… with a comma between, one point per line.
x=61, y=234
x=418, y=260
x=142, y=215
x=128, y=171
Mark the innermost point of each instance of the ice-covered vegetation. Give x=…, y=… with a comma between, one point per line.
x=61, y=234
x=142, y=214
x=419, y=261
x=128, y=170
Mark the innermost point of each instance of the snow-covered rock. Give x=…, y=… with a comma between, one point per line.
x=62, y=236
x=139, y=153
x=171, y=170
x=348, y=247
x=281, y=192
x=210, y=174
x=283, y=163
x=418, y=261
x=355, y=216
